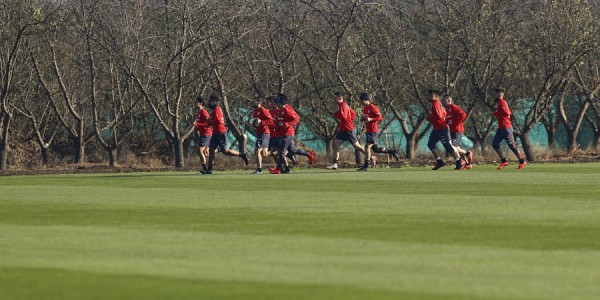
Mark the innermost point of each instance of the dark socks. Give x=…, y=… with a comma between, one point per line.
x=301, y=152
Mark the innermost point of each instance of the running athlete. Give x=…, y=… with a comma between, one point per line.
x=455, y=117
x=204, y=131
x=345, y=118
x=218, y=140
x=285, y=120
x=371, y=117
x=440, y=132
x=262, y=120
x=505, y=132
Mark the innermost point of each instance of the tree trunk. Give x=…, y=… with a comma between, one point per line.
x=45, y=156
x=358, y=157
x=411, y=145
x=112, y=156
x=484, y=146
x=4, y=143
x=596, y=140
x=571, y=140
x=178, y=147
x=80, y=148
x=328, y=146
x=80, y=144
x=242, y=142
x=527, y=147
x=551, y=126
x=572, y=131
x=476, y=145
x=481, y=142
x=551, y=139
x=577, y=125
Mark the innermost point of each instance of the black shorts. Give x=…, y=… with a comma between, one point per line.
x=219, y=141
x=442, y=135
x=274, y=142
x=372, y=138
x=456, y=138
x=204, y=141
x=284, y=144
x=263, y=140
x=347, y=136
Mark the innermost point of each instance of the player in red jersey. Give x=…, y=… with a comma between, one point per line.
x=440, y=132
x=285, y=120
x=455, y=118
x=218, y=140
x=262, y=120
x=345, y=118
x=275, y=136
x=204, y=131
x=371, y=117
x=505, y=131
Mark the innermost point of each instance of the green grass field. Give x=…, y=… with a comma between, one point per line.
x=385, y=234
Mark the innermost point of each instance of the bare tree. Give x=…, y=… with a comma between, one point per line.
x=17, y=21
x=158, y=49
x=587, y=81
x=563, y=36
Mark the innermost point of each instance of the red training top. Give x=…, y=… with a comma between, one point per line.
x=272, y=126
x=372, y=111
x=455, y=118
x=345, y=116
x=285, y=120
x=437, y=116
x=217, y=121
x=265, y=118
x=201, y=123
x=503, y=114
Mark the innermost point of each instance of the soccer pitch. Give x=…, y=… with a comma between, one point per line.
x=315, y=234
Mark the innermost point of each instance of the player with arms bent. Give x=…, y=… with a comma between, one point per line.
x=371, y=117
x=505, y=131
x=218, y=140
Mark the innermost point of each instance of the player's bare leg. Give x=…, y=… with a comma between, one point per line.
x=211, y=158
x=230, y=152
x=203, y=152
x=367, y=151
x=258, y=154
x=360, y=148
x=467, y=156
x=336, y=154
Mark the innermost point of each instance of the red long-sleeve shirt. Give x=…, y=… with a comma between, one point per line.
x=265, y=118
x=345, y=116
x=285, y=120
x=272, y=127
x=437, y=116
x=503, y=114
x=372, y=111
x=455, y=117
x=201, y=123
x=217, y=121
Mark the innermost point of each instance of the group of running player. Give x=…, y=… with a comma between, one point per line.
x=448, y=129
x=274, y=121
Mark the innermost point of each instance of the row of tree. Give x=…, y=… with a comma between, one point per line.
x=114, y=74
